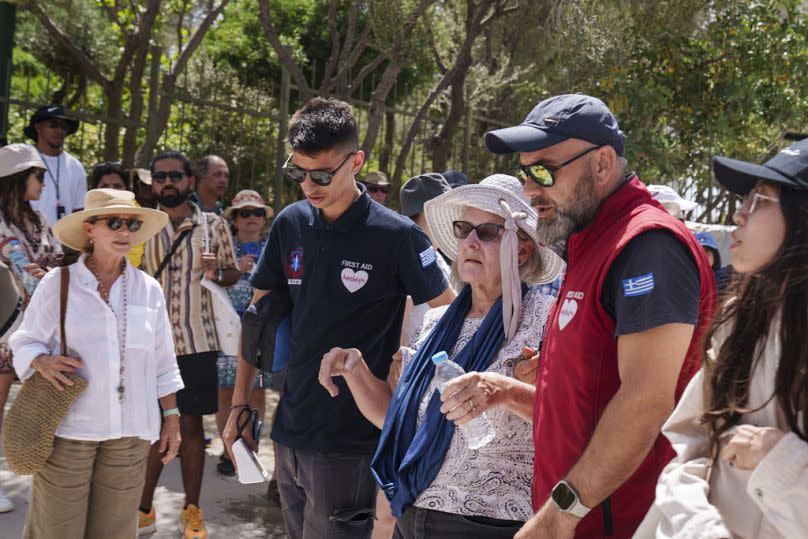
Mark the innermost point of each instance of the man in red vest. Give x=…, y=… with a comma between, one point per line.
x=624, y=337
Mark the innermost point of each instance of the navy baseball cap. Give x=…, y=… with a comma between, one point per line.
x=706, y=239
x=557, y=119
x=788, y=167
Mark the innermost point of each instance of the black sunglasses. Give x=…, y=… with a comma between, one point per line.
x=485, y=231
x=175, y=176
x=544, y=175
x=39, y=175
x=377, y=188
x=257, y=212
x=115, y=223
x=320, y=177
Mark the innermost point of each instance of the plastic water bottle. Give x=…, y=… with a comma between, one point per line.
x=14, y=251
x=477, y=432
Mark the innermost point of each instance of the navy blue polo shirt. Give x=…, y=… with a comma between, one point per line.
x=348, y=281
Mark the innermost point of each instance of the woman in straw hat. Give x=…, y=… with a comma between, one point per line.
x=27, y=247
x=119, y=340
x=248, y=217
x=423, y=463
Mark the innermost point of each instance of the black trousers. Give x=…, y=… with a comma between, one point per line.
x=326, y=495
x=420, y=523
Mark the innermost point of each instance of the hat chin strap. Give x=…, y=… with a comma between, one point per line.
x=509, y=272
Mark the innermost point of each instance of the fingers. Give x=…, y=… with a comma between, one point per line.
x=526, y=370
x=528, y=352
x=54, y=381
x=327, y=370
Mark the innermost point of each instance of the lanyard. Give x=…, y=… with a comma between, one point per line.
x=54, y=179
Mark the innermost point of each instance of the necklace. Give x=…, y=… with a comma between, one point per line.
x=105, y=296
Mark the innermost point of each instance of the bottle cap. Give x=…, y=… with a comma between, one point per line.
x=440, y=357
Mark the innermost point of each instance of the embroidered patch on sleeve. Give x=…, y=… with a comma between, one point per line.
x=428, y=256
x=638, y=286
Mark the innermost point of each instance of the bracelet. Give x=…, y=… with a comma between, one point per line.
x=172, y=411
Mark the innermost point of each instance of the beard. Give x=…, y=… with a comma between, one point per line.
x=567, y=221
x=173, y=200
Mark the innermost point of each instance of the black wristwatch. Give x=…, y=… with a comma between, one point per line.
x=565, y=497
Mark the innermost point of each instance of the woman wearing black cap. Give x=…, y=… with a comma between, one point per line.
x=741, y=428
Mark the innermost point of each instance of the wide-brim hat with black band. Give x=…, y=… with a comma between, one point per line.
x=789, y=167
x=101, y=202
x=247, y=198
x=558, y=119
x=49, y=112
x=16, y=158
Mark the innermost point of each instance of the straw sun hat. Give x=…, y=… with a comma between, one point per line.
x=486, y=195
x=500, y=195
x=247, y=198
x=100, y=202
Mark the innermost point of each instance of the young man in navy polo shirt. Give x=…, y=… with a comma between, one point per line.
x=348, y=265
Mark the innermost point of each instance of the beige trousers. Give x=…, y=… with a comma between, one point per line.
x=88, y=490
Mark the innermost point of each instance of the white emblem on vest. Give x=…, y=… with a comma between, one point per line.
x=568, y=310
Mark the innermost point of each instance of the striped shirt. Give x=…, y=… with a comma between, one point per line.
x=190, y=309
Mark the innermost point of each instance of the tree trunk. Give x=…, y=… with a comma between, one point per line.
x=114, y=97
x=377, y=105
x=389, y=141
x=135, y=106
x=440, y=146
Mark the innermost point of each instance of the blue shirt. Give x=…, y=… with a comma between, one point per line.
x=348, y=281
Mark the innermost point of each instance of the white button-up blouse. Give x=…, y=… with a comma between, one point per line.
x=93, y=332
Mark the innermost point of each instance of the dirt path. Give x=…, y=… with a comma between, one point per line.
x=232, y=510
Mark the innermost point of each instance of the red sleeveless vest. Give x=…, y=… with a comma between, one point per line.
x=578, y=373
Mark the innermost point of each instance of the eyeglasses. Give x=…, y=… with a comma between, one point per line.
x=377, y=188
x=175, y=176
x=115, y=223
x=57, y=124
x=39, y=175
x=544, y=175
x=320, y=177
x=751, y=200
x=485, y=231
x=257, y=212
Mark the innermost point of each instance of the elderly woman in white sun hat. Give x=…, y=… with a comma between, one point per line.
x=118, y=338
x=436, y=484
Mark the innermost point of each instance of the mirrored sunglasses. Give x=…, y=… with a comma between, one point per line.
x=544, y=175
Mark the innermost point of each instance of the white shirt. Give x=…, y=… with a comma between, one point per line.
x=698, y=499
x=91, y=328
x=67, y=172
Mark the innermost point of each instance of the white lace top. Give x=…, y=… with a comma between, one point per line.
x=493, y=481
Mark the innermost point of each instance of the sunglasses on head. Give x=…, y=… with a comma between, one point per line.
x=257, y=212
x=544, y=175
x=175, y=176
x=377, y=188
x=485, y=231
x=115, y=223
x=320, y=177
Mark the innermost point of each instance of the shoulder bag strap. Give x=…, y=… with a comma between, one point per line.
x=65, y=274
x=170, y=253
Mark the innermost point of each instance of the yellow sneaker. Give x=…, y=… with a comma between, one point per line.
x=146, y=522
x=193, y=527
